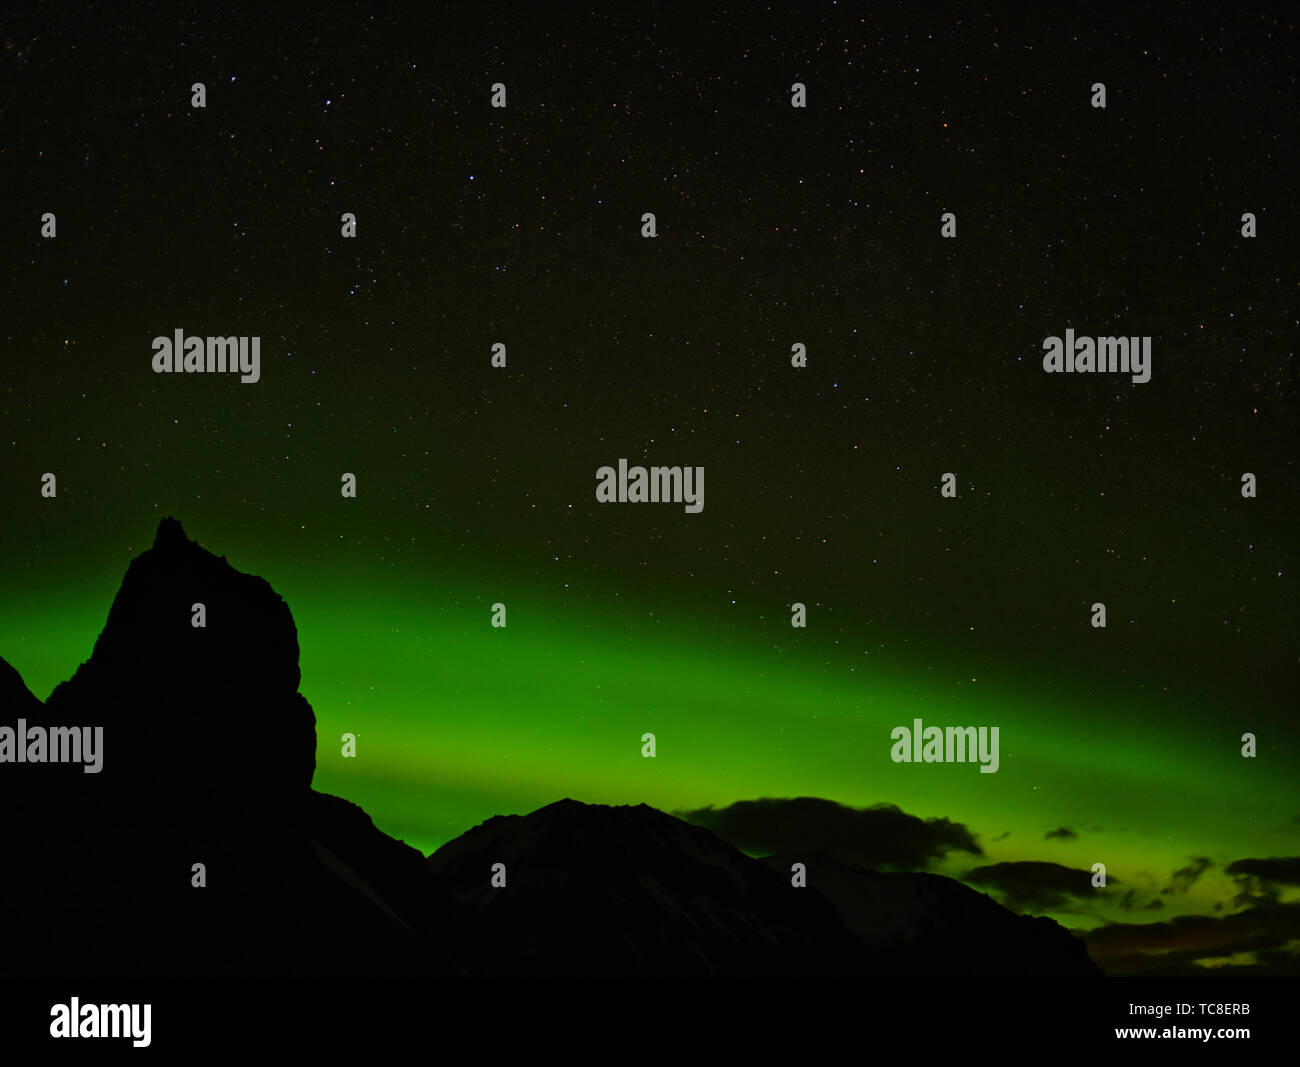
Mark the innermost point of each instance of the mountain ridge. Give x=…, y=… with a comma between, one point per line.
x=209, y=762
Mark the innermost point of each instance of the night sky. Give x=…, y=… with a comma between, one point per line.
x=776, y=225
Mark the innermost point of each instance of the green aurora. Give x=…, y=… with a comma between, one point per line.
x=457, y=721
x=776, y=225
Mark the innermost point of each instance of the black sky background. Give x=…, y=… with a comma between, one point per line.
x=777, y=225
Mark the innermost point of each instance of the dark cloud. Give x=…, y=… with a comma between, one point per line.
x=1283, y=871
x=1185, y=877
x=881, y=837
x=1063, y=832
x=1261, y=881
x=1032, y=885
x=1174, y=946
x=1130, y=901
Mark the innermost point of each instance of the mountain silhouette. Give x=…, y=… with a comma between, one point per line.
x=598, y=890
x=208, y=758
x=196, y=711
x=209, y=752
x=925, y=924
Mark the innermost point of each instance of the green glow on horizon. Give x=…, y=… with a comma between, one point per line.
x=457, y=721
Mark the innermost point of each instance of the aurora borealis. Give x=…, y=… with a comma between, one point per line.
x=555, y=705
x=476, y=485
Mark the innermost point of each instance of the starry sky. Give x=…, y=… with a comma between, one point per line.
x=776, y=225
